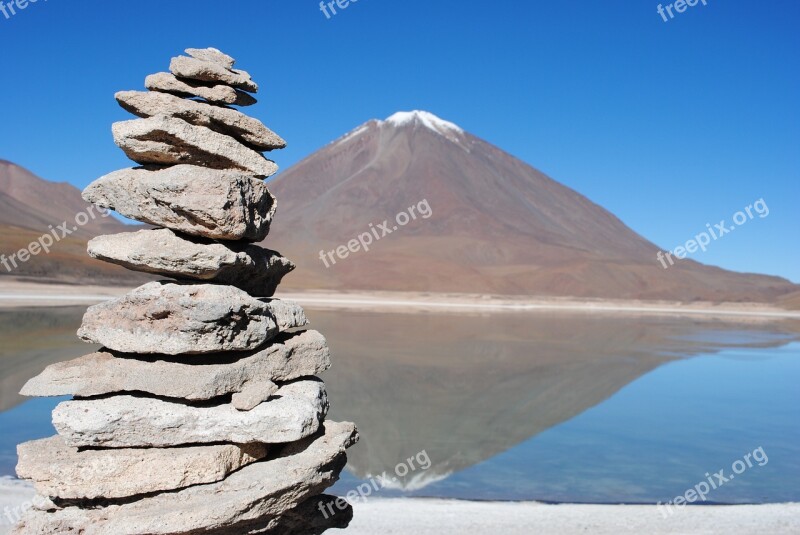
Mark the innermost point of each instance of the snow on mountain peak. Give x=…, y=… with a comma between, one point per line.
x=451, y=131
x=425, y=118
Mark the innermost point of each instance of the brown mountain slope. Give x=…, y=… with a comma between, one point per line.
x=30, y=207
x=497, y=225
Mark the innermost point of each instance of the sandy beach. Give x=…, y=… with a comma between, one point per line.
x=430, y=517
x=434, y=517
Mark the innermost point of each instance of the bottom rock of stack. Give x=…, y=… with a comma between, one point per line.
x=279, y=495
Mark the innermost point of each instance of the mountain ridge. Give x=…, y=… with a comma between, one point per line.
x=31, y=208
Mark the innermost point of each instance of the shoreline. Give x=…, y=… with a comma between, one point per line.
x=17, y=294
x=429, y=516
x=476, y=303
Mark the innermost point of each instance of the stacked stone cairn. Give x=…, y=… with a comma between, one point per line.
x=202, y=412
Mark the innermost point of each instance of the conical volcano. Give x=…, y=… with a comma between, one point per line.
x=496, y=225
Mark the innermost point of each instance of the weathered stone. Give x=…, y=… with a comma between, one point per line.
x=305, y=519
x=288, y=314
x=166, y=82
x=254, y=493
x=213, y=55
x=230, y=122
x=133, y=422
x=176, y=319
x=208, y=71
x=202, y=377
x=163, y=140
x=255, y=270
x=64, y=472
x=253, y=394
x=220, y=205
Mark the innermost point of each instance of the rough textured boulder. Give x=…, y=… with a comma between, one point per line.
x=164, y=140
x=213, y=72
x=66, y=473
x=230, y=122
x=210, y=203
x=140, y=422
x=256, y=493
x=176, y=319
x=255, y=270
x=166, y=82
x=201, y=377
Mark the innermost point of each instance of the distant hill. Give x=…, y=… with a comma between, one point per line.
x=498, y=225
x=29, y=207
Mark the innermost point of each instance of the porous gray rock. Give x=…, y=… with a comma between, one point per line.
x=175, y=319
x=256, y=493
x=199, y=377
x=255, y=270
x=67, y=473
x=230, y=122
x=210, y=203
x=166, y=82
x=213, y=55
x=141, y=422
x=164, y=140
x=210, y=71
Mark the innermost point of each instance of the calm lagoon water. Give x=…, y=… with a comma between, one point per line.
x=520, y=406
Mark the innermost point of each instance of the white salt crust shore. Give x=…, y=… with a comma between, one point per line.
x=434, y=517
x=16, y=294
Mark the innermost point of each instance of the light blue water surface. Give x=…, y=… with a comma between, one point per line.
x=514, y=407
x=656, y=438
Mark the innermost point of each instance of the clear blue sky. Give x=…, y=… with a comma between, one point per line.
x=668, y=125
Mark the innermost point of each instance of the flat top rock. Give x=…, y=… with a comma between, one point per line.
x=255, y=270
x=216, y=94
x=64, y=472
x=213, y=55
x=194, y=200
x=258, y=491
x=165, y=140
x=226, y=121
x=209, y=71
x=174, y=319
x=140, y=422
x=290, y=356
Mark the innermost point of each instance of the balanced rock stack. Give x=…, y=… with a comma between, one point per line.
x=202, y=413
